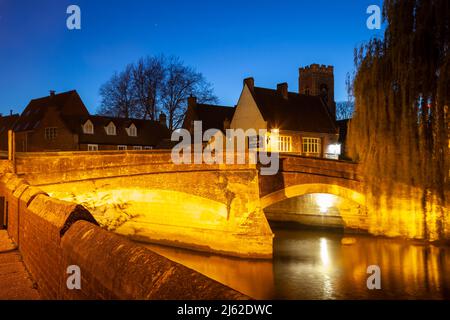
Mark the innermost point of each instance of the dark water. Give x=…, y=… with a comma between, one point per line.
x=316, y=265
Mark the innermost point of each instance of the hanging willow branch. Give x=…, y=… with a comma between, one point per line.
x=399, y=131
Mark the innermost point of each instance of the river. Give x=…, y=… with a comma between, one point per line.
x=315, y=264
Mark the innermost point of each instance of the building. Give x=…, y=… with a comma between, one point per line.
x=6, y=123
x=303, y=123
x=61, y=122
x=211, y=116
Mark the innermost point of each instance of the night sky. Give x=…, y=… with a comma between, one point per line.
x=225, y=40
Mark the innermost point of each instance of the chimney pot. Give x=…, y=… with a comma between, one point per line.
x=250, y=82
x=163, y=119
x=52, y=93
x=192, y=101
x=282, y=89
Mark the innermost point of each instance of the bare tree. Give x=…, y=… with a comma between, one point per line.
x=344, y=109
x=182, y=81
x=148, y=78
x=154, y=84
x=118, y=97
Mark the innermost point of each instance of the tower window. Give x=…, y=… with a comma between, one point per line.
x=324, y=92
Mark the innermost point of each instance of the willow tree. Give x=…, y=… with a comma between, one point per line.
x=399, y=132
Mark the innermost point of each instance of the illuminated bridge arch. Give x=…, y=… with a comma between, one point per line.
x=308, y=188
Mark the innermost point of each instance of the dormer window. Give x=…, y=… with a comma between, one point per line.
x=110, y=129
x=132, y=130
x=88, y=127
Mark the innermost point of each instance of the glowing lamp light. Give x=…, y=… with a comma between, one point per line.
x=275, y=131
x=324, y=201
x=335, y=148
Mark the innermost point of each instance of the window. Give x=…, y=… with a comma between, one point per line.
x=88, y=127
x=277, y=143
x=92, y=147
x=121, y=147
x=132, y=130
x=137, y=148
x=51, y=133
x=311, y=146
x=148, y=148
x=284, y=143
x=110, y=129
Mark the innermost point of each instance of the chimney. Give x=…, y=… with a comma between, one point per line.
x=226, y=124
x=282, y=89
x=250, y=82
x=52, y=93
x=192, y=101
x=163, y=119
x=10, y=112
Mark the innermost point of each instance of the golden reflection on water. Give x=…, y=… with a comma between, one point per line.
x=316, y=265
x=252, y=277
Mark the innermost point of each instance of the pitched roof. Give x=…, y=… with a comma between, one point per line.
x=67, y=103
x=74, y=114
x=6, y=123
x=213, y=116
x=149, y=133
x=298, y=112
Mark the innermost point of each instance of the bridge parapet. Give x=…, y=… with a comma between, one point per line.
x=320, y=166
x=299, y=170
x=40, y=168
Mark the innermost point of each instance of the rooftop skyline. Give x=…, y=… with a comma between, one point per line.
x=226, y=41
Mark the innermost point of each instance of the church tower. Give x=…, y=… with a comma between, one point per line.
x=318, y=80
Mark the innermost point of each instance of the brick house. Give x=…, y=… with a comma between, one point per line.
x=303, y=123
x=61, y=122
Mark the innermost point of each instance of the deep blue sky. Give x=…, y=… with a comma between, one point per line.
x=225, y=40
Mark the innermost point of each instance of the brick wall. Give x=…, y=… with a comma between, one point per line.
x=35, y=140
x=54, y=234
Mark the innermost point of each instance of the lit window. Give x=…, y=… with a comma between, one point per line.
x=277, y=143
x=148, y=148
x=111, y=129
x=311, y=146
x=137, y=148
x=92, y=147
x=132, y=131
x=51, y=133
x=284, y=143
x=88, y=127
x=121, y=147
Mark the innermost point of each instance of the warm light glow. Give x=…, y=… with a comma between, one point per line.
x=275, y=131
x=334, y=149
x=324, y=252
x=324, y=201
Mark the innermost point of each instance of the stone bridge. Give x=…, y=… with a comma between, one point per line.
x=219, y=208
